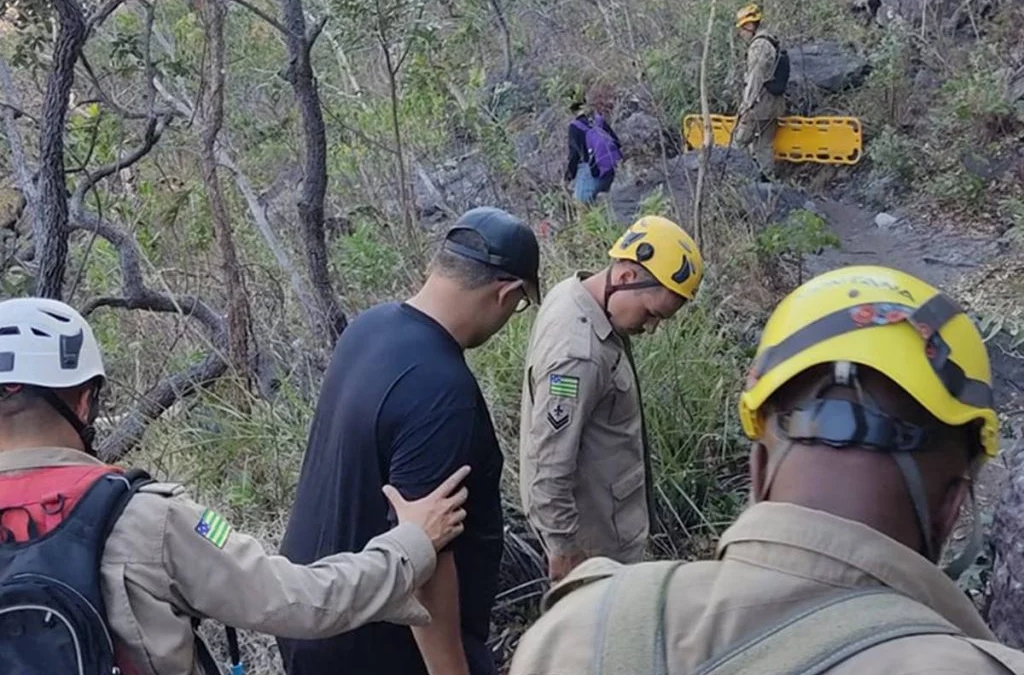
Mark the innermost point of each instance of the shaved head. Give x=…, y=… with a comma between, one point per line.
x=861, y=483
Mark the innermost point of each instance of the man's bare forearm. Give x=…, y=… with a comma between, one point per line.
x=440, y=642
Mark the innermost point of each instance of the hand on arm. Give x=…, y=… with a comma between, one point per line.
x=439, y=514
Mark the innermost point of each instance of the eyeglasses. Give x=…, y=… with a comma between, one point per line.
x=524, y=302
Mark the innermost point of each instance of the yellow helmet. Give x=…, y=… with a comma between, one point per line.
x=886, y=320
x=665, y=250
x=748, y=14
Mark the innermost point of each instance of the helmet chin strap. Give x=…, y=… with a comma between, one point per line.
x=840, y=423
x=610, y=288
x=85, y=430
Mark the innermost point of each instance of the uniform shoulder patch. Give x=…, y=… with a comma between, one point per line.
x=213, y=528
x=559, y=415
x=566, y=386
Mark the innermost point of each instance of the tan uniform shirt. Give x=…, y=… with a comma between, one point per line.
x=758, y=103
x=775, y=560
x=581, y=449
x=158, y=571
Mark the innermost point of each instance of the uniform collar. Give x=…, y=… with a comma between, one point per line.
x=592, y=311
x=38, y=458
x=819, y=545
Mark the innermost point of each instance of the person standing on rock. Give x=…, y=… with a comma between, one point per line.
x=594, y=148
x=763, y=103
x=399, y=405
x=869, y=406
x=584, y=461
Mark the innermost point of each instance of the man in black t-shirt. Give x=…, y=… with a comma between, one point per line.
x=399, y=405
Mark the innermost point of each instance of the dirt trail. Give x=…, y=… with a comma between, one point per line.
x=934, y=254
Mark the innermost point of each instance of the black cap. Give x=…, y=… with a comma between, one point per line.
x=511, y=245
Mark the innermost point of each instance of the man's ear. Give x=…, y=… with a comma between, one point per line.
x=509, y=289
x=758, y=470
x=623, y=274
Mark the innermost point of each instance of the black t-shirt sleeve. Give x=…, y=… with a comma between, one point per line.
x=425, y=454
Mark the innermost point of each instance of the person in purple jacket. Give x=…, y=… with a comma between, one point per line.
x=594, y=149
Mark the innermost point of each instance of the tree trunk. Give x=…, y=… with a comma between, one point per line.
x=314, y=183
x=50, y=232
x=213, y=118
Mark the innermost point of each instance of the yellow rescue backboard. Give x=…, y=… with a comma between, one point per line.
x=825, y=140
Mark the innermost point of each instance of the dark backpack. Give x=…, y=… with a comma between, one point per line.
x=52, y=618
x=602, y=150
x=780, y=78
x=52, y=615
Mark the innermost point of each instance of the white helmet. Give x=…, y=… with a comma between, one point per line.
x=47, y=344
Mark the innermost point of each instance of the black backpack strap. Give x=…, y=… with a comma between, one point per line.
x=205, y=656
x=136, y=478
x=771, y=40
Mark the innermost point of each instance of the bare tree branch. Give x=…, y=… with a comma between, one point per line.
x=128, y=433
x=101, y=13
x=152, y=134
x=263, y=15
x=186, y=305
x=18, y=112
x=84, y=164
x=136, y=295
x=105, y=98
x=315, y=32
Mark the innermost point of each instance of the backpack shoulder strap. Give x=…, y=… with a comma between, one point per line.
x=771, y=40
x=580, y=124
x=136, y=479
x=815, y=640
x=631, y=630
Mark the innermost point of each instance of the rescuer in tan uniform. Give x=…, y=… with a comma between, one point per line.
x=763, y=96
x=870, y=408
x=584, y=461
x=160, y=567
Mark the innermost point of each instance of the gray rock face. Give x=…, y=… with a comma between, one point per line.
x=1015, y=91
x=825, y=65
x=453, y=187
x=945, y=14
x=735, y=161
x=641, y=135
x=987, y=167
x=1004, y=615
